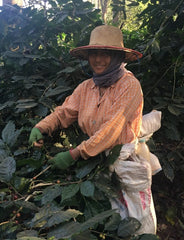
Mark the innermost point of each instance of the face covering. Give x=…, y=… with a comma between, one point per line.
x=114, y=72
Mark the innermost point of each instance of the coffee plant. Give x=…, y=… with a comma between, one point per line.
x=36, y=74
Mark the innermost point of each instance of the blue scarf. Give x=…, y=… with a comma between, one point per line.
x=112, y=74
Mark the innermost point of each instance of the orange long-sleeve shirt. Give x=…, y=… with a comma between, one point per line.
x=115, y=118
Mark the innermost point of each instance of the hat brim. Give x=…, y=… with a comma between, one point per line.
x=82, y=52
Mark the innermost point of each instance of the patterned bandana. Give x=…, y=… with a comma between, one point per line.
x=114, y=72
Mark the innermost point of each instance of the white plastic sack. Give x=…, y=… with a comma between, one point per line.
x=138, y=205
x=135, y=197
x=151, y=122
x=135, y=175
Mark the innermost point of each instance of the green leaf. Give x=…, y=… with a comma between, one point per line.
x=128, y=227
x=174, y=110
x=26, y=103
x=104, y=184
x=155, y=47
x=6, y=104
x=113, y=222
x=30, y=238
x=41, y=218
x=68, y=70
x=172, y=132
x=146, y=237
x=12, y=54
x=62, y=216
x=69, y=191
x=23, y=61
x=84, y=236
x=31, y=56
x=86, y=169
x=27, y=233
x=8, y=229
x=57, y=90
x=9, y=134
x=41, y=110
x=19, y=183
x=114, y=154
x=7, y=168
x=27, y=205
x=87, y=189
x=96, y=219
x=50, y=193
x=69, y=229
x=3, y=153
x=168, y=170
x=65, y=231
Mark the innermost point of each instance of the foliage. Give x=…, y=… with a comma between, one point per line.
x=36, y=74
x=60, y=205
x=161, y=73
x=162, y=76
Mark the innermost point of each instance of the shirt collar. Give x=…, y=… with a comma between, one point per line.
x=94, y=86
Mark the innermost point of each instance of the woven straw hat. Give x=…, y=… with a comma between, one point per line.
x=106, y=37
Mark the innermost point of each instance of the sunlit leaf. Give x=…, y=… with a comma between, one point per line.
x=62, y=216
x=20, y=183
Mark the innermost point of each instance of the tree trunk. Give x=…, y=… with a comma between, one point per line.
x=104, y=5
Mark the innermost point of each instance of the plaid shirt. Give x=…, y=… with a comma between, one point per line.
x=115, y=118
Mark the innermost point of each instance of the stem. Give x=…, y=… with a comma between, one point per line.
x=50, y=184
x=174, y=84
x=35, y=177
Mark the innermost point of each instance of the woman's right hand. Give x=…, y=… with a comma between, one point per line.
x=36, y=138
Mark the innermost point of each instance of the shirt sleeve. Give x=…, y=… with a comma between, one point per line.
x=122, y=111
x=63, y=116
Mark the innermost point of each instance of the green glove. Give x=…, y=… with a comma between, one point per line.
x=35, y=136
x=62, y=160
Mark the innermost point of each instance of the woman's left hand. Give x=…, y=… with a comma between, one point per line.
x=63, y=160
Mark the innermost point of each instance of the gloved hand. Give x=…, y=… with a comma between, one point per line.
x=62, y=160
x=35, y=136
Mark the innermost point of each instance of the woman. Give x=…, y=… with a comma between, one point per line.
x=108, y=107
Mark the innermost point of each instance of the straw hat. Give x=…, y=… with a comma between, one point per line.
x=106, y=37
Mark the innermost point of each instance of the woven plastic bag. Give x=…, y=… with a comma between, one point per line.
x=135, y=176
